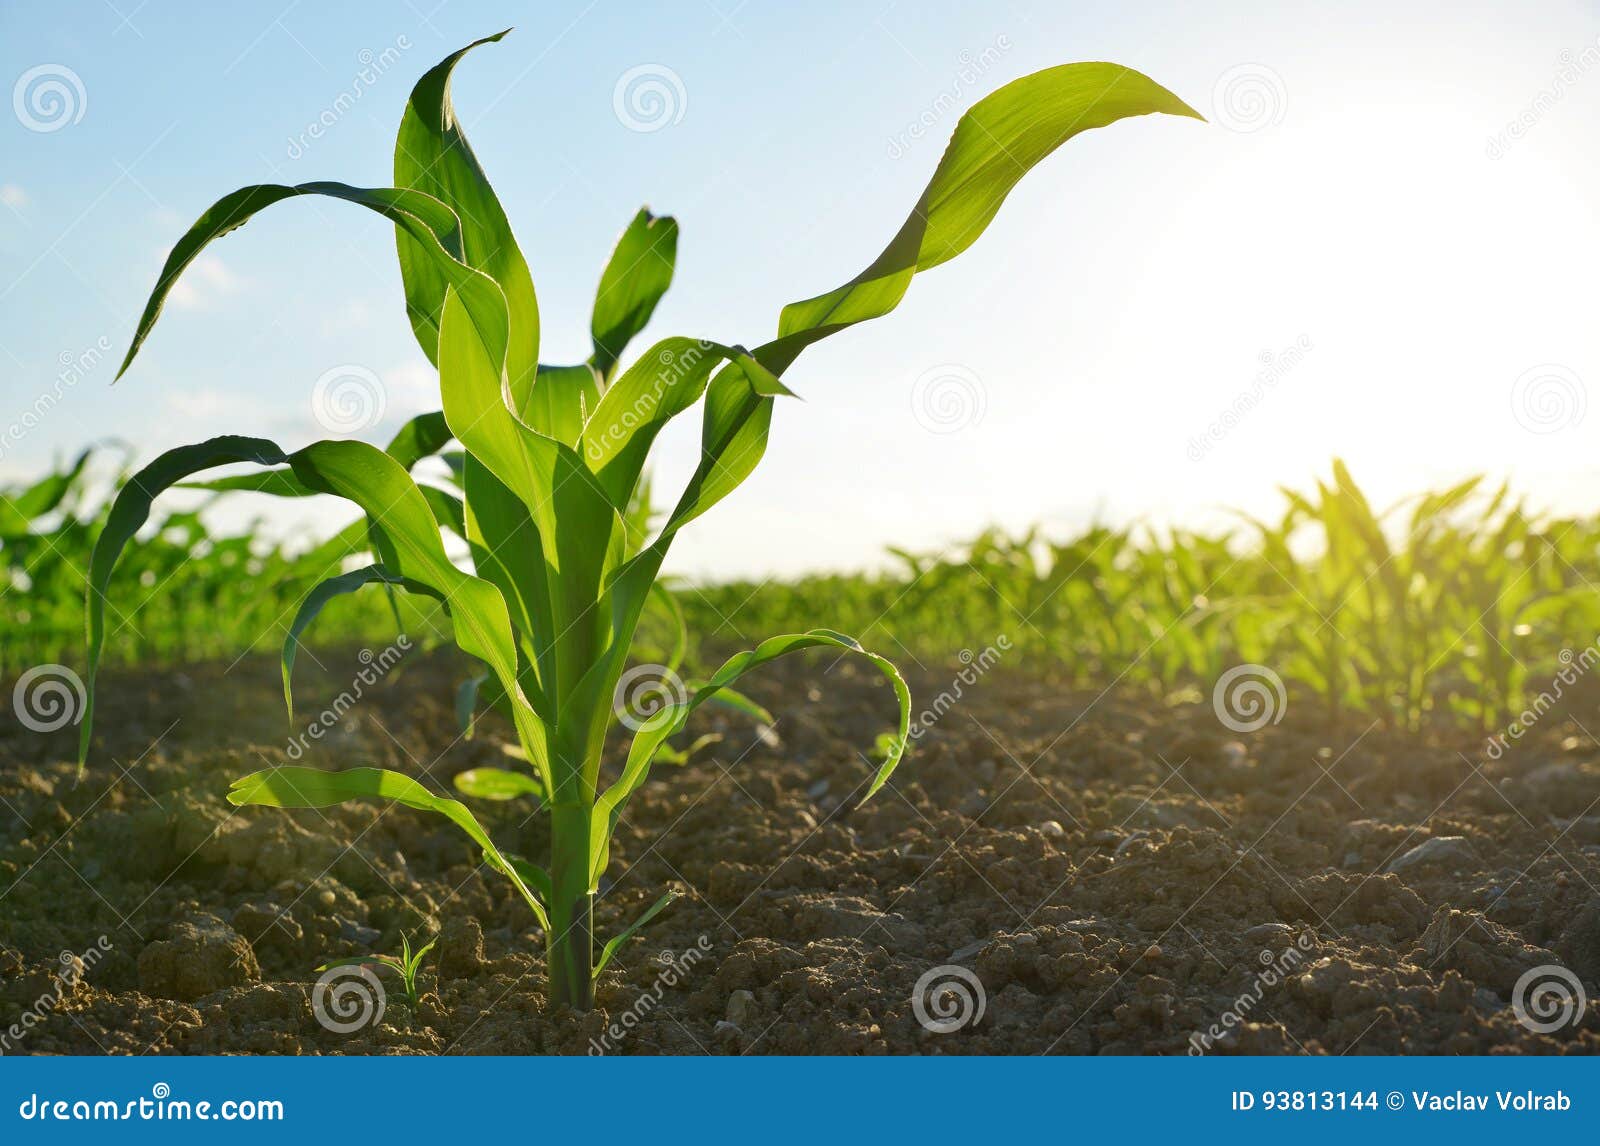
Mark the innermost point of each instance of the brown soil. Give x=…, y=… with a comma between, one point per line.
x=1117, y=872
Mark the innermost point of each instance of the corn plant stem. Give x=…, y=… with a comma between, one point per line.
x=569, y=945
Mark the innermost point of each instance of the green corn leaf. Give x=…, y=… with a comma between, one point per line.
x=421, y=437
x=998, y=141
x=297, y=787
x=616, y=941
x=671, y=719
x=530, y=873
x=636, y=276
x=325, y=591
x=467, y=703
x=564, y=500
x=559, y=402
x=277, y=483
x=664, y=382
x=508, y=552
x=667, y=754
x=377, y=483
x=496, y=784
x=669, y=606
x=128, y=513
x=432, y=155
x=394, y=505
x=388, y=961
x=994, y=145
x=738, y=701
x=447, y=509
x=414, y=959
x=429, y=224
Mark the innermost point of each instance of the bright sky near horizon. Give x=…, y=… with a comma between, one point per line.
x=1380, y=246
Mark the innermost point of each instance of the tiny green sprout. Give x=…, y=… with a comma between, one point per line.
x=407, y=964
x=556, y=551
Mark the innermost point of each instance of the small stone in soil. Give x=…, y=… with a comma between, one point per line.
x=963, y=953
x=1266, y=932
x=1053, y=829
x=1128, y=841
x=739, y=1004
x=1453, y=851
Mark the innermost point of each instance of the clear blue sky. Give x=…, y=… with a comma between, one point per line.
x=1356, y=224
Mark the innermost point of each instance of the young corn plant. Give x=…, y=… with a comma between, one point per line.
x=550, y=499
x=407, y=964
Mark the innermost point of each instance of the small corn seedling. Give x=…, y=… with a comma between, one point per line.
x=551, y=467
x=407, y=965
